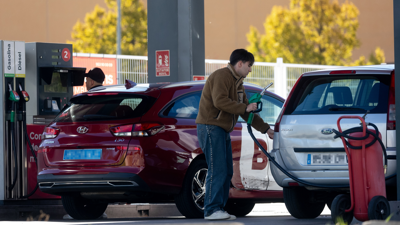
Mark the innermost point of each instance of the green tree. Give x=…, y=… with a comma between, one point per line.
x=310, y=32
x=98, y=33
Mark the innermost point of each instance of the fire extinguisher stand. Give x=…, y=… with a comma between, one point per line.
x=367, y=200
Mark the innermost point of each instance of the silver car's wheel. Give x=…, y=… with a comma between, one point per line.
x=190, y=200
x=199, y=188
x=299, y=202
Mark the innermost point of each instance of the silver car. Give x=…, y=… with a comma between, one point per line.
x=304, y=143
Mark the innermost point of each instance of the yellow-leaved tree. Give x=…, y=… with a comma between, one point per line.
x=311, y=32
x=98, y=33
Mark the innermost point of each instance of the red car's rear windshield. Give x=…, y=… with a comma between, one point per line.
x=105, y=107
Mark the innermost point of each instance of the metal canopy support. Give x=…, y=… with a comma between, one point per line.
x=177, y=26
x=119, y=28
x=396, y=22
x=2, y=128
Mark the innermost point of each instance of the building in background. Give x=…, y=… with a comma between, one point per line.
x=226, y=22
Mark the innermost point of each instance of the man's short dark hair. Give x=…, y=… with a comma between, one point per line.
x=241, y=55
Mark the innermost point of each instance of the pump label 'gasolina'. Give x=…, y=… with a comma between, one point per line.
x=8, y=58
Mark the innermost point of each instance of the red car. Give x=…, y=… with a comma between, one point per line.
x=139, y=145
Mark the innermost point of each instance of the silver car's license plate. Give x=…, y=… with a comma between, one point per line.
x=327, y=159
x=82, y=154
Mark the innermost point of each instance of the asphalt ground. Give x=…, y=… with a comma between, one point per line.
x=269, y=213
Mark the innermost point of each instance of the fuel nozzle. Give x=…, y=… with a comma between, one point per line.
x=256, y=98
x=14, y=97
x=263, y=91
x=24, y=94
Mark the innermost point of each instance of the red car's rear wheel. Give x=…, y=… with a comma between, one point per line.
x=190, y=201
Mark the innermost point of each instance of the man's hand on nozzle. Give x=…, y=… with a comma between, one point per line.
x=270, y=133
x=251, y=107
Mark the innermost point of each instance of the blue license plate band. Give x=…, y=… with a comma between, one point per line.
x=82, y=154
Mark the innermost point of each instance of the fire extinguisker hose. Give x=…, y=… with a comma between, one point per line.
x=368, y=132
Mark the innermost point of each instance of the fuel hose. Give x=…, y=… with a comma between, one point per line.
x=30, y=146
x=14, y=148
x=16, y=168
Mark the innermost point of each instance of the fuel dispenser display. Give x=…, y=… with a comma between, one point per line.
x=38, y=80
x=51, y=79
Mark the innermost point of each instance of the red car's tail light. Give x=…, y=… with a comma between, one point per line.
x=146, y=129
x=122, y=131
x=50, y=132
x=133, y=148
x=43, y=150
x=391, y=116
x=119, y=148
x=137, y=130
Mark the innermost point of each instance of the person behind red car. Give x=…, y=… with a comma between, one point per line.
x=222, y=101
x=94, y=78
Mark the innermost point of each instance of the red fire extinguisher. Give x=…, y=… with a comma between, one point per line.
x=365, y=151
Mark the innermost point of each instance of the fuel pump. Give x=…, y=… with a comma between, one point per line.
x=46, y=72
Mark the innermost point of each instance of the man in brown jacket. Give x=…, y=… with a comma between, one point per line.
x=222, y=102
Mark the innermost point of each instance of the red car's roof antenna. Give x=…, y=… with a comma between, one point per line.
x=129, y=84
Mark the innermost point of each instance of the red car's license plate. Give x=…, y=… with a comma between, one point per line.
x=82, y=154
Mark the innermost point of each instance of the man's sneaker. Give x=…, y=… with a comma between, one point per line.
x=218, y=215
x=231, y=217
